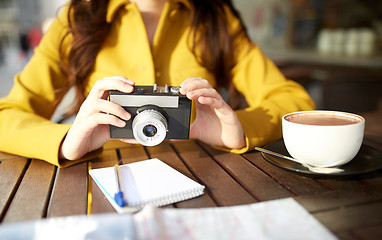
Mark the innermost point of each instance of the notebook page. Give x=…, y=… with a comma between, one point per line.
x=150, y=181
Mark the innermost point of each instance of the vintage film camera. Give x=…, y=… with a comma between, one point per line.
x=157, y=113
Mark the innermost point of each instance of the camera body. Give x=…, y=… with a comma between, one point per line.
x=157, y=113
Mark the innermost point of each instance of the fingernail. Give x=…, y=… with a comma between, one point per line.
x=128, y=87
x=183, y=86
x=127, y=115
x=190, y=94
x=122, y=123
x=129, y=81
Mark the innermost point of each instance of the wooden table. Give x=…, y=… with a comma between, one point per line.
x=350, y=207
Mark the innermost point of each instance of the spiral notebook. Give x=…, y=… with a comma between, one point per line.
x=146, y=182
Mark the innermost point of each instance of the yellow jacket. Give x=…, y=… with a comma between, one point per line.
x=25, y=126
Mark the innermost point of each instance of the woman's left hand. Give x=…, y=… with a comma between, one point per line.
x=215, y=123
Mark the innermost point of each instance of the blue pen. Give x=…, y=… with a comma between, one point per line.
x=119, y=195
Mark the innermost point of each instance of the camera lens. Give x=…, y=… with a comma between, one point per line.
x=149, y=130
x=149, y=127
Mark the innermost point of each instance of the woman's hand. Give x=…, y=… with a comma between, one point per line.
x=90, y=129
x=215, y=123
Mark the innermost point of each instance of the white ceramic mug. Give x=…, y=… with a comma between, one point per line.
x=323, y=138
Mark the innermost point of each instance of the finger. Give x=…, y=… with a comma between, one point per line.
x=213, y=102
x=133, y=141
x=122, y=78
x=111, y=83
x=220, y=106
x=212, y=98
x=204, y=92
x=191, y=84
x=102, y=118
x=112, y=108
x=178, y=140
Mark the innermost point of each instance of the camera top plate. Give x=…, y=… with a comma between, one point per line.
x=153, y=90
x=150, y=95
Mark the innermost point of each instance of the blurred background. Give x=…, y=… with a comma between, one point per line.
x=332, y=47
x=21, y=23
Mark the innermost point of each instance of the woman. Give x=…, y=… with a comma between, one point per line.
x=102, y=45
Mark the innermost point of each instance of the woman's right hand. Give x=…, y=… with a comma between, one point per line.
x=90, y=129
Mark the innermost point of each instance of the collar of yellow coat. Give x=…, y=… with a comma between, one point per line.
x=115, y=5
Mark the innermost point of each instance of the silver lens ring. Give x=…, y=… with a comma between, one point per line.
x=153, y=120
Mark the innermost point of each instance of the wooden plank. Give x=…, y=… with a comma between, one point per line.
x=341, y=183
x=114, y=144
x=5, y=156
x=351, y=218
x=108, y=158
x=255, y=181
x=373, y=123
x=371, y=232
x=219, y=184
x=32, y=197
x=340, y=198
x=373, y=180
x=133, y=153
x=70, y=193
x=11, y=174
x=296, y=183
x=346, y=235
x=374, y=141
x=98, y=201
x=165, y=153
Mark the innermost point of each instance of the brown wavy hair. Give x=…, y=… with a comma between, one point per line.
x=209, y=33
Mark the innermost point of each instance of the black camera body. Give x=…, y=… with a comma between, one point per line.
x=157, y=113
